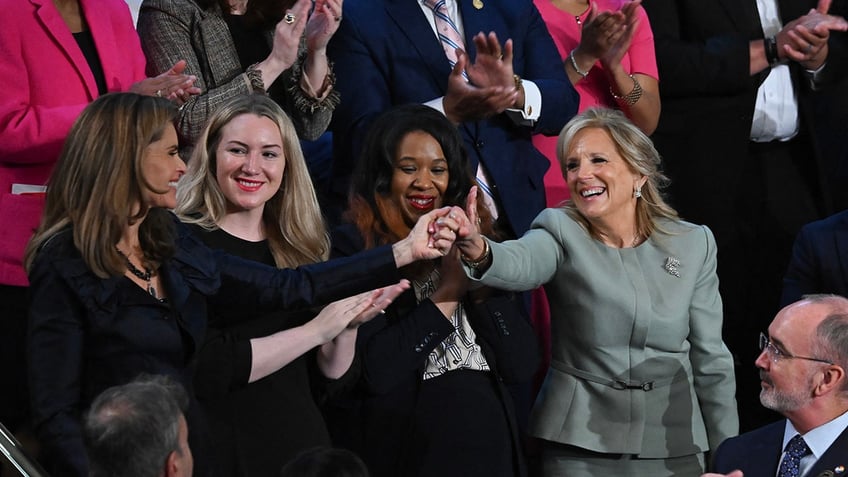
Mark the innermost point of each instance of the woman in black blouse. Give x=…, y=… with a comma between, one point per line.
x=249, y=193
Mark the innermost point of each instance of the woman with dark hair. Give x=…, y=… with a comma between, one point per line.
x=434, y=367
x=243, y=46
x=247, y=192
x=120, y=287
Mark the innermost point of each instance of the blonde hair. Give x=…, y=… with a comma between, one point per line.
x=97, y=183
x=638, y=152
x=292, y=217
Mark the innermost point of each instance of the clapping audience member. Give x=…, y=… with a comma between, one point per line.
x=248, y=192
x=436, y=366
x=740, y=142
x=498, y=88
x=640, y=382
x=138, y=429
x=802, y=363
x=55, y=58
x=120, y=287
x=243, y=46
x=607, y=50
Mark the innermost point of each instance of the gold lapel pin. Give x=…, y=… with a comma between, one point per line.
x=478, y=4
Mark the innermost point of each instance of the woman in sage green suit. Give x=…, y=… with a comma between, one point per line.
x=640, y=381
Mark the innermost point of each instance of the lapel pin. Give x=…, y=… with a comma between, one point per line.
x=839, y=469
x=672, y=266
x=478, y=4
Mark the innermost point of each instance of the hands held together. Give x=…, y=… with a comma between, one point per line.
x=804, y=40
x=606, y=36
x=490, y=87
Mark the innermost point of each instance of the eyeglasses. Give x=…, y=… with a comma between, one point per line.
x=776, y=354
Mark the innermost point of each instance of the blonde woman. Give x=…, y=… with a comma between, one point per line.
x=248, y=191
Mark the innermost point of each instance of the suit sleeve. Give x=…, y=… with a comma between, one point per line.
x=526, y=263
x=712, y=363
x=802, y=275
x=56, y=340
x=718, y=65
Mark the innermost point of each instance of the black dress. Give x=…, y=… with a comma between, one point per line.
x=256, y=427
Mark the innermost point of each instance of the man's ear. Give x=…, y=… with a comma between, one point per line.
x=172, y=465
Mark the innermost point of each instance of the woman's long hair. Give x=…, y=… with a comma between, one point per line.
x=292, y=217
x=372, y=209
x=96, y=187
x=638, y=152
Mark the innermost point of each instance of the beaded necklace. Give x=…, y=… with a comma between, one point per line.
x=146, y=275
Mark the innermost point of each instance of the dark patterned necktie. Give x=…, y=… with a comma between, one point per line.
x=795, y=450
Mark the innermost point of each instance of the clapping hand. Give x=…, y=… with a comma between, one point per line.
x=172, y=85
x=323, y=24
x=804, y=39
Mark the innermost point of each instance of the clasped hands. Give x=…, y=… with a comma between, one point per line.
x=804, y=40
x=606, y=36
x=490, y=88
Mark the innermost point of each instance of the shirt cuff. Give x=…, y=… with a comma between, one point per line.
x=532, y=105
x=814, y=76
x=438, y=104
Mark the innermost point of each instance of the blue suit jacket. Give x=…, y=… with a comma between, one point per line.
x=819, y=261
x=386, y=54
x=757, y=453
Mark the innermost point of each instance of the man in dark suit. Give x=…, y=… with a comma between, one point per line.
x=819, y=261
x=737, y=138
x=387, y=53
x=803, y=365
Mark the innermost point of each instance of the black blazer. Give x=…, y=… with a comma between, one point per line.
x=819, y=260
x=708, y=98
x=88, y=333
x=392, y=353
x=757, y=453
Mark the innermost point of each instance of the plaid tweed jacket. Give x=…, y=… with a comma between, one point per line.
x=173, y=30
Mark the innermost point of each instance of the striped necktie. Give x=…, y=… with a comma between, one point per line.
x=450, y=39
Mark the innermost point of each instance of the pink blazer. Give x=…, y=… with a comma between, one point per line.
x=45, y=82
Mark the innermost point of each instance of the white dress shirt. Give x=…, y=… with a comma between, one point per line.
x=818, y=440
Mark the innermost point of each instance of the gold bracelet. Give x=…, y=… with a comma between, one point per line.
x=475, y=264
x=632, y=97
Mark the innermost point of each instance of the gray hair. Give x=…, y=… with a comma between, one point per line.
x=130, y=430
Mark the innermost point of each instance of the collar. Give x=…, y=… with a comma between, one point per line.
x=820, y=438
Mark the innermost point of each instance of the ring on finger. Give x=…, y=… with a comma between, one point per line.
x=289, y=18
x=809, y=48
x=159, y=93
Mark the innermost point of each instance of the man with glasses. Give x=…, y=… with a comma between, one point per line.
x=803, y=362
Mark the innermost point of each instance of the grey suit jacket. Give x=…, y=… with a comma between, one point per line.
x=638, y=364
x=173, y=30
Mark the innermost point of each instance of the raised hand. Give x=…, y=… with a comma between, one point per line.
x=284, y=48
x=804, y=39
x=172, y=84
x=601, y=32
x=322, y=25
x=493, y=64
x=612, y=58
x=426, y=240
x=464, y=101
